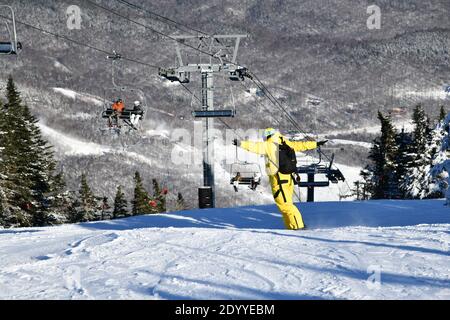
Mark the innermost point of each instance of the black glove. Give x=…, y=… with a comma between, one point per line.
x=321, y=143
x=235, y=142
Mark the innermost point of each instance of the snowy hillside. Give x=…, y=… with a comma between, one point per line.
x=238, y=253
x=318, y=58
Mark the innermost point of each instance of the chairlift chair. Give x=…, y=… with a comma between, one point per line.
x=130, y=117
x=10, y=45
x=332, y=175
x=245, y=173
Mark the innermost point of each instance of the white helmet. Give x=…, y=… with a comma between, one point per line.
x=137, y=103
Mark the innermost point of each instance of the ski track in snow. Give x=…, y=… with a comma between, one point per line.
x=237, y=253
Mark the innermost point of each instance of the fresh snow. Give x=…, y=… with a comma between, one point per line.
x=366, y=145
x=62, y=67
x=73, y=146
x=408, y=125
x=70, y=145
x=88, y=98
x=432, y=93
x=238, y=253
x=80, y=116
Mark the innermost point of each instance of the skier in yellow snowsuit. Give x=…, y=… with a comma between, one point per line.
x=282, y=184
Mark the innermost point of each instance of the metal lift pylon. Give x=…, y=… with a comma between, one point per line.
x=221, y=60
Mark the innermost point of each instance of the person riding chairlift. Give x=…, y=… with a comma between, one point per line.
x=117, y=108
x=134, y=118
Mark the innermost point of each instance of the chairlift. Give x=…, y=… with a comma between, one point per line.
x=172, y=75
x=311, y=170
x=10, y=45
x=245, y=173
x=130, y=114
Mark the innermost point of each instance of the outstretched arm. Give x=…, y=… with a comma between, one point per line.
x=302, y=145
x=257, y=147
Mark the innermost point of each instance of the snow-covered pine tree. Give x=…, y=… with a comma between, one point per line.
x=120, y=204
x=105, y=209
x=442, y=114
x=27, y=163
x=1, y=208
x=88, y=202
x=60, y=200
x=383, y=180
x=404, y=159
x=141, y=198
x=159, y=195
x=415, y=182
x=440, y=165
x=2, y=178
x=433, y=154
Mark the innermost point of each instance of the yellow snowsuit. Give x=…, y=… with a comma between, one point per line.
x=282, y=184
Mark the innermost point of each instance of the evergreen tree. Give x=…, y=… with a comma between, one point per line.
x=442, y=114
x=58, y=200
x=181, y=205
x=141, y=198
x=440, y=168
x=415, y=182
x=159, y=196
x=105, y=209
x=87, y=203
x=3, y=213
x=75, y=213
x=120, y=204
x=434, y=145
x=15, y=184
x=404, y=160
x=3, y=216
x=384, y=182
x=27, y=164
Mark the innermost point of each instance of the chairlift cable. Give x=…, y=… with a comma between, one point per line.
x=152, y=29
x=79, y=43
x=266, y=108
x=166, y=19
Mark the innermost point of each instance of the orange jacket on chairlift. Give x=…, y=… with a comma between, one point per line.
x=118, y=106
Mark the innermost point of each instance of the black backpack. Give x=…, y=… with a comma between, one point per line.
x=287, y=159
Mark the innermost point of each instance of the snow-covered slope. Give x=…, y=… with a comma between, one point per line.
x=238, y=253
x=88, y=98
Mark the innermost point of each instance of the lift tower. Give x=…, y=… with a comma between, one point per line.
x=214, y=54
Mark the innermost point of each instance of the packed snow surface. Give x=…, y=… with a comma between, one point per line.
x=352, y=250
